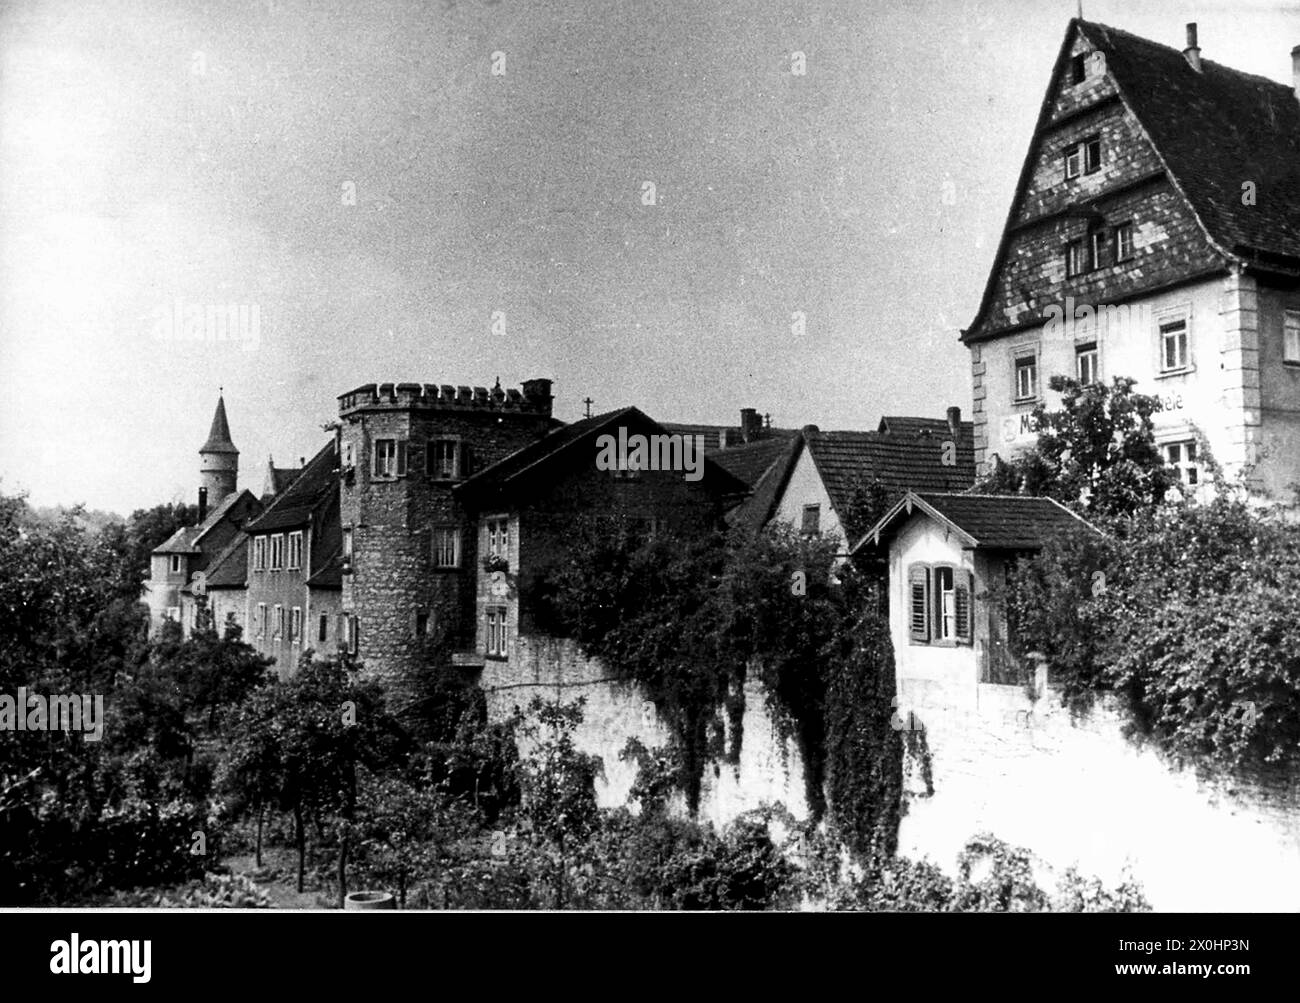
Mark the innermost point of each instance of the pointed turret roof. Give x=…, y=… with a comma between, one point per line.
x=219, y=435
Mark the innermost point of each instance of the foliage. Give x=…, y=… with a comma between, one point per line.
x=213, y=891
x=1186, y=613
x=688, y=620
x=1099, y=447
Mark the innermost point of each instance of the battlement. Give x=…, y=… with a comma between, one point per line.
x=534, y=398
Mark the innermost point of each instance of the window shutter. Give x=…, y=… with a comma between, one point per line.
x=401, y=457
x=918, y=592
x=963, y=587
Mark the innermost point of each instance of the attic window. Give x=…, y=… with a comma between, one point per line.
x=1079, y=68
x=812, y=515
x=1083, y=157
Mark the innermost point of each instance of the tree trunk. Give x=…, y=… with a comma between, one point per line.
x=300, y=836
x=257, y=851
x=343, y=868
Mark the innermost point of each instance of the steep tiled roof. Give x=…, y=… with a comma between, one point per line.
x=279, y=478
x=508, y=471
x=330, y=576
x=910, y=426
x=186, y=540
x=219, y=435
x=899, y=463
x=1216, y=129
x=1000, y=522
x=229, y=569
x=180, y=542
x=752, y=460
x=311, y=488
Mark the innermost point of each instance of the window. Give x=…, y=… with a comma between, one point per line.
x=498, y=533
x=1085, y=362
x=496, y=631
x=446, y=547
x=174, y=613
x=277, y=629
x=1291, y=336
x=390, y=458
x=1096, y=248
x=259, y=553
x=812, y=515
x=295, y=550
x=1124, y=242
x=295, y=625
x=277, y=552
x=323, y=633
x=1182, y=457
x=421, y=623
x=347, y=544
x=349, y=629
x=1027, y=378
x=349, y=455
x=1173, y=345
x=1091, y=154
x=1083, y=157
x=1073, y=161
x=1079, y=68
x=939, y=604
x=442, y=459
x=178, y=564
x=261, y=619
x=1076, y=258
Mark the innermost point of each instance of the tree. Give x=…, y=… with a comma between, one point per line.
x=557, y=780
x=1097, y=451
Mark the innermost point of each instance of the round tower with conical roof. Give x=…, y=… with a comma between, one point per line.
x=218, y=459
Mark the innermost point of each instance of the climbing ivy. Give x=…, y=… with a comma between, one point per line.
x=688, y=621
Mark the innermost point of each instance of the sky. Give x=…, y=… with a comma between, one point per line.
x=455, y=191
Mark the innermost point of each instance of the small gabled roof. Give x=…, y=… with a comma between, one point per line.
x=508, y=472
x=752, y=460
x=219, y=434
x=310, y=489
x=984, y=522
x=330, y=575
x=229, y=569
x=186, y=539
x=899, y=461
x=278, y=479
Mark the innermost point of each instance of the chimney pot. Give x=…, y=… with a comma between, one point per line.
x=954, y=421
x=1193, y=51
x=751, y=426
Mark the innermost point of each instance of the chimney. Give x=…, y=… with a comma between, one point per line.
x=751, y=426
x=538, y=393
x=1295, y=70
x=954, y=422
x=203, y=504
x=1193, y=52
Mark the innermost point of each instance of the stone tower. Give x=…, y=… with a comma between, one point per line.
x=218, y=459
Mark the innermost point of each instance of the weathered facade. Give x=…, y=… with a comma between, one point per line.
x=409, y=546
x=1154, y=234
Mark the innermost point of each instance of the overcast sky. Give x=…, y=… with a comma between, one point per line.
x=157, y=151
